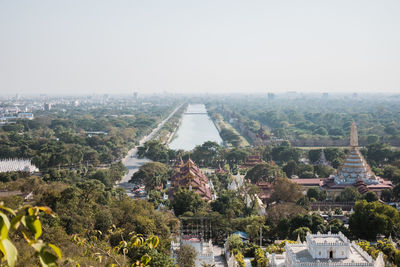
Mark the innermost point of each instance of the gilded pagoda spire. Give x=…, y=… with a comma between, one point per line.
x=353, y=135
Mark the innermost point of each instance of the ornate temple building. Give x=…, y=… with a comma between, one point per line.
x=323, y=250
x=220, y=170
x=354, y=171
x=189, y=176
x=266, y=190
x=355, y=167
x=251, y=161
x=262, y=138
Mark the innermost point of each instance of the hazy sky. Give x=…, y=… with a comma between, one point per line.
x=82, y=46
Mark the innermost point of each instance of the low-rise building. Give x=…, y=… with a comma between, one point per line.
x=323, y=250
x=25, y=115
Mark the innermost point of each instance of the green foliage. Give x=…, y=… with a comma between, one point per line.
x=159, y=259
x=286, y=226
x=387, y=195
x=284, y=190
x=323, y=171
x=310, y=120
x=206, y=154
x=385, y=246
x=378, y=153
x=26, y=221
x=284, y=153
x=58, y=138
x=186, y=256
x=185, y=200
x=371, y=196
x=305, y=171
x=336, y=226
x=301, y=232
x=392, y=173
x=283, y=211
x=316, y=193
x=239, y=258
x=156, y=151
x=237, y=155
x=314, y=155
x=264, y=172
x=320, y=131
x=229, y=203
x=291, y=168
x=396, y=192
x=349, y=194
x=153, y=175
x=332, y=153
x=230, y=136
x=155, y=197
x=372, y=139
x=260, y=259
x=12, y=176
x=278, y=248
x=222, y=180
x=338, y=211
x=108, y=253
x=90, y=207
x=234, y=242
x=251, y=225
x=372, y=218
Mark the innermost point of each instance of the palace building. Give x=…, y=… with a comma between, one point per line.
x=189, y=176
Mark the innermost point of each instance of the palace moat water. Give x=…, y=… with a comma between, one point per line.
x=196, y=128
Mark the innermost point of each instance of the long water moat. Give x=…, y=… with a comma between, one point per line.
x=196, y=128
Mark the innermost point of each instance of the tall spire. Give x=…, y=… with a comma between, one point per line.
x=355, y=167
x=353, y=135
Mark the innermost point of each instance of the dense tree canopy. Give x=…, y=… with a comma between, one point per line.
x=284, y=190
x=229, y=203
x=372, y=218
x=264, y=172
x=187, y=256
x=153, y=175
x=185, y=200
x=349, y=194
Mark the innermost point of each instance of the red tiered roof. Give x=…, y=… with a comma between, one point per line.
x=252, y=161
x=190, y=176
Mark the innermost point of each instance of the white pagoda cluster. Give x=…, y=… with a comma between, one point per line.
x=323, y=250
x=15, y=165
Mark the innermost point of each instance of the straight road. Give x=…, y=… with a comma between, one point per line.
x=133, y=163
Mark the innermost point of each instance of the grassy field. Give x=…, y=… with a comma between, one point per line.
x=221, y=124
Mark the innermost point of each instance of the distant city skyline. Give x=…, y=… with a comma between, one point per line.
x=126, y=46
